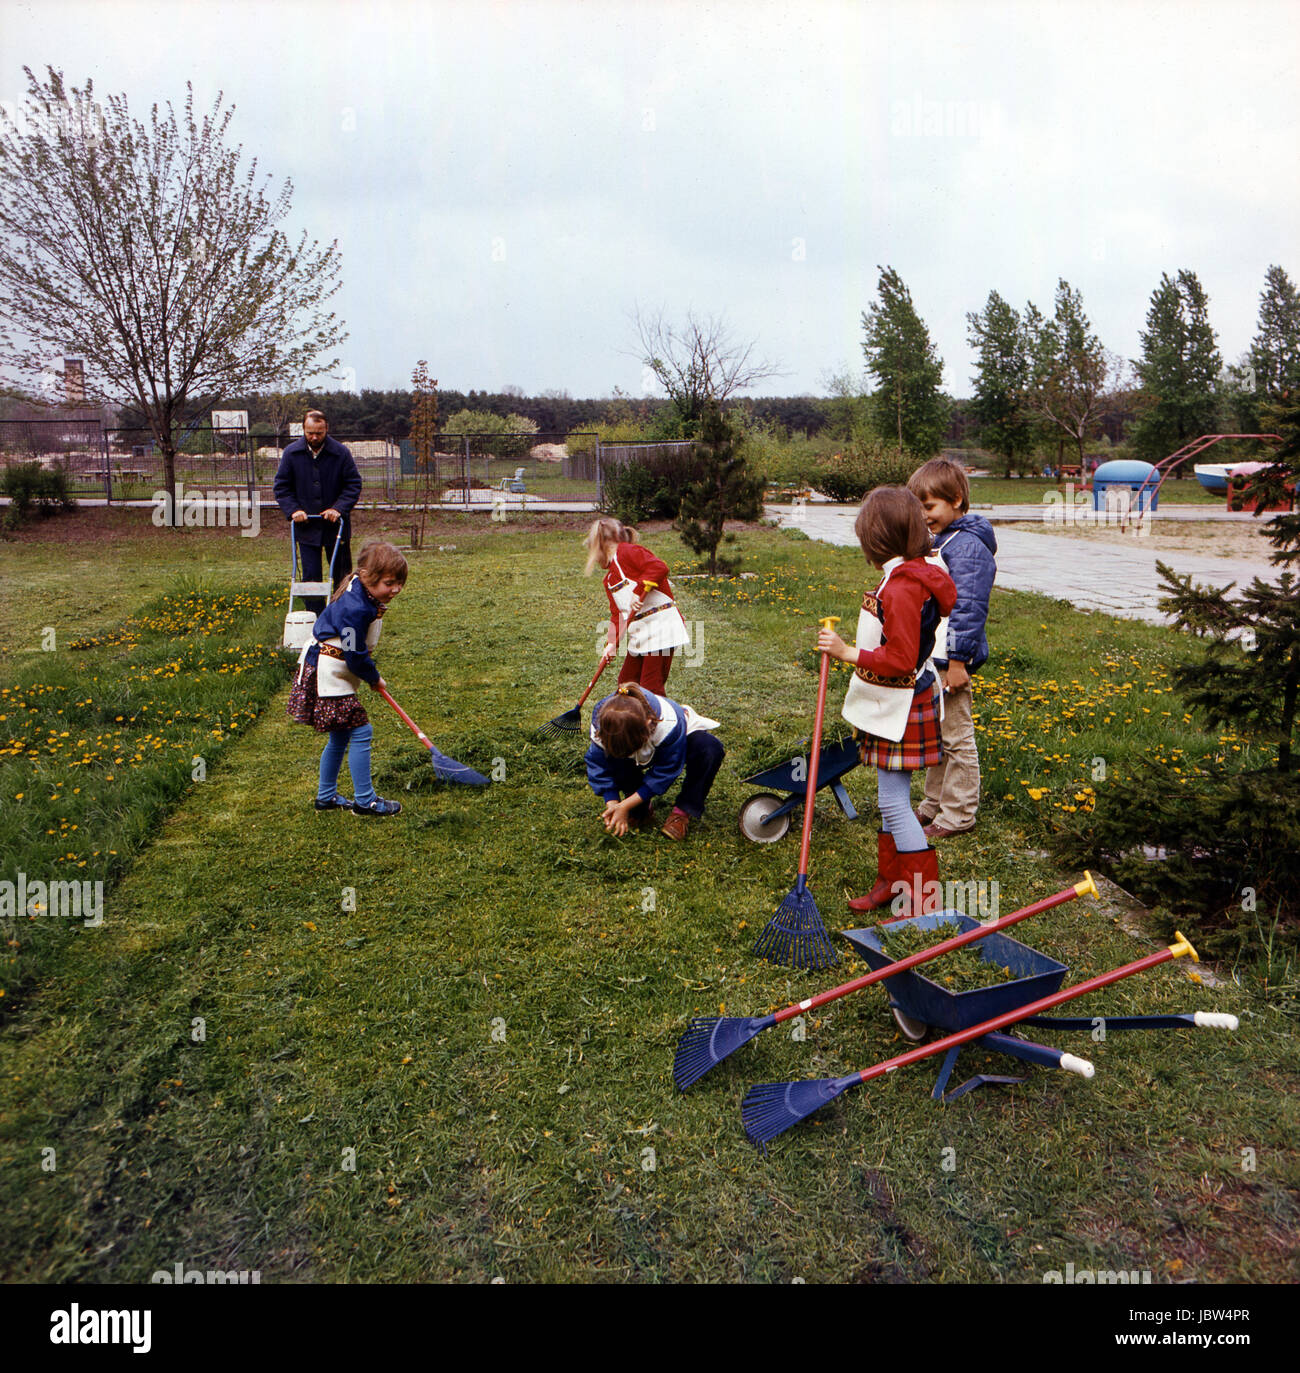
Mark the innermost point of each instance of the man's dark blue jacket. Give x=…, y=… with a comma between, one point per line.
x=316, y=484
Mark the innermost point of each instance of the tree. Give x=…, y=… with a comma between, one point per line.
x=1179, y=369
x=847, y=411
x=700, y=364
x=1002, y=380
x=1071, y=376
x=424, y=439
x=908, y=405
x=145, y=251
x=1275, y=350
x=725, y=491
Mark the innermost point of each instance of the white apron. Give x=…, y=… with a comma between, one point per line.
x=872, y=706
x=657, y=626
x=333, y=677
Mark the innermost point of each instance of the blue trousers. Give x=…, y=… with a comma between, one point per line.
x=356, y=744
x=704, y=754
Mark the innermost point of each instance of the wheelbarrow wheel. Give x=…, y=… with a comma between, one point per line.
x=753, y=819
x=913, y=1029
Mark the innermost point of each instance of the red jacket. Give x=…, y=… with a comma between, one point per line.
x=640, y=566
x=907, y=628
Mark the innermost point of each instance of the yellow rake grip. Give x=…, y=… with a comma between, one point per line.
x=1087, y=887
x=829, y=621
x=1184, y=945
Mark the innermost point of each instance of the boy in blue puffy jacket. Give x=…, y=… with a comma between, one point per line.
x=968, y=545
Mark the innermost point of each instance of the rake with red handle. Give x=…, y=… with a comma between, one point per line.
x=571, y=721
x=795, y=935
x=446, y=768
x=773, y=1107
x=710, y=1039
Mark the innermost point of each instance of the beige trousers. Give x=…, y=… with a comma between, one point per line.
x=952, y=788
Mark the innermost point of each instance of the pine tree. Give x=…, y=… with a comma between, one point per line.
x=909, y=407
x=725, y=491
x=1275, y=351
x=1001, y=381
x=1179, y=368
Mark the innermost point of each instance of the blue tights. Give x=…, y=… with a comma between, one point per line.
x=356, y=744
x=894, y=795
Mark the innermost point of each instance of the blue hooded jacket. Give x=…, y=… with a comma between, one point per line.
x=968, y=546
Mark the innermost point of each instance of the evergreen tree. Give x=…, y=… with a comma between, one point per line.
x=1275, y=351
x=1001, y=381
x=909, y=407
x=724, y=491
x=1179, y=369
x=1071, y=376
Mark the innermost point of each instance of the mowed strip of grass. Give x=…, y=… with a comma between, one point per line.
x=469, y=1074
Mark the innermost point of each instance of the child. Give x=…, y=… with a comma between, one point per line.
x=334, y=664
x=892, y=695
x=640, y=744
x=640, y=599
x=968, y=545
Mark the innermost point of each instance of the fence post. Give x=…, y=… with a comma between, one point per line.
x=466, y=470
x=108, y=465
x=600, y=472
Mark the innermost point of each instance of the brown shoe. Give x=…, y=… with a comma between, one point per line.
x=933, y=831
x=676, y=825
x=923, y=818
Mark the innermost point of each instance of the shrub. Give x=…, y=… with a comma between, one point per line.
x=649, y=486
x=33, y=488
x=868, y=463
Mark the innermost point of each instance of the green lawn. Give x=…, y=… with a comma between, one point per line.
x=441, y=1047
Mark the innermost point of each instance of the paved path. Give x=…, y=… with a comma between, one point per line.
x=1117, y=579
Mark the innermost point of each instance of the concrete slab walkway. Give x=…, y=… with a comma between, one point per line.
x=1116, y=579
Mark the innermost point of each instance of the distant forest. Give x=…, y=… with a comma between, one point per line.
x=387, y=414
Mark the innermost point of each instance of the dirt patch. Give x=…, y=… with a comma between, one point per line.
x=1211, y=539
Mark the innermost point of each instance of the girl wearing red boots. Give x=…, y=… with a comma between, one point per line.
x=892, y=697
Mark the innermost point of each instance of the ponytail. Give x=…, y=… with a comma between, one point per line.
x=626, y=722
x=605, y=532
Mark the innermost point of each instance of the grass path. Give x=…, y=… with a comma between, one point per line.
x=469, y=1074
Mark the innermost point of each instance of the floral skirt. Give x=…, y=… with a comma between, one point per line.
x=921, y=745
x=323, y=713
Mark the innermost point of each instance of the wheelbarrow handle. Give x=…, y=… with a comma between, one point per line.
x=1085, y=888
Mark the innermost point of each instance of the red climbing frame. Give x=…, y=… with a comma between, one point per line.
x=1191, y=450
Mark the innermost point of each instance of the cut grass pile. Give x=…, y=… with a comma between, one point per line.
x=440, y=1047
x=959, y=970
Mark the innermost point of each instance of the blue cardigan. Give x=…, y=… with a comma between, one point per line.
x=664, y=768
x=350, y=617
x=968, y=546
x=316, y=484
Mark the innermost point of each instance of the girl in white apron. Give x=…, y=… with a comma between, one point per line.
x=892, y=698
x=641, y=603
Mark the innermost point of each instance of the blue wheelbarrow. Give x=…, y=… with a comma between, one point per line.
x=919, y=1003
x=766, y=818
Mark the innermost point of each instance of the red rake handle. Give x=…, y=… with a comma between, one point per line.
x=1084, y=888
x=1034, y=1008
x=828, y=622
x=406, y=719
x=604, y=663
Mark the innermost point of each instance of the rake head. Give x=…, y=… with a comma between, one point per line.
x=568, y=723
x=449, y=770
x=773, y=1107
x=708, y=1040
x=795, y=935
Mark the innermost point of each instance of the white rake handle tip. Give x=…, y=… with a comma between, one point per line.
x=1215, y=1020
x=1071, y=1064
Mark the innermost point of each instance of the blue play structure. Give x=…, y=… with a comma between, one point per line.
x=1120, y=475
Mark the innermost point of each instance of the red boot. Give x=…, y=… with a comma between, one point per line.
x=917, y=890
x=883, y=892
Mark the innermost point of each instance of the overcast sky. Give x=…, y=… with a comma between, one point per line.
x=508, y=181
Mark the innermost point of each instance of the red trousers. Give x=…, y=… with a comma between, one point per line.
x=648, y=670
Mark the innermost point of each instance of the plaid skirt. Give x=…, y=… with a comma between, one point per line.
x=322, y=713
x=921, y=745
